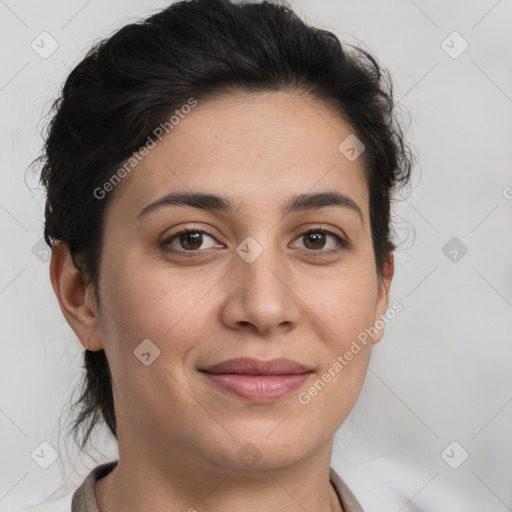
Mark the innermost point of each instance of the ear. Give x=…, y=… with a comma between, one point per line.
x=384, y=283
x=76, y=297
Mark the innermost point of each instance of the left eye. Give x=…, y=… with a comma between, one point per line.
x=315, y=240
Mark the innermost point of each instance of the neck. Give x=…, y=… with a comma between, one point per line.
x=139, y=482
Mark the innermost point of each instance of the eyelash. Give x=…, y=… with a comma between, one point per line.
x=343, y=244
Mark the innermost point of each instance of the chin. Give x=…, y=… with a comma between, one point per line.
x=261, y=448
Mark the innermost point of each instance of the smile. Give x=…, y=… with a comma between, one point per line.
x=257, y=388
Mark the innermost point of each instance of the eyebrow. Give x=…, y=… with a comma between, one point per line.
x=213, y=202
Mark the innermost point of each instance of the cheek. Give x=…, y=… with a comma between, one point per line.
x=140, y=303
x=341, y=311
x=150, y=299
x=344, y=305
x=147, y=305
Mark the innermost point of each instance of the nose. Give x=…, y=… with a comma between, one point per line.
x=260, y=296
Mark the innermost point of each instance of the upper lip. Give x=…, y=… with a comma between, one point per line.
x=251, y=366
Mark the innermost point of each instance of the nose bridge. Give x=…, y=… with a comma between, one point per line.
x=261, y=263
x=262, y=296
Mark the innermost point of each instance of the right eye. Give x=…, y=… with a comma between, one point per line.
x=188, y=240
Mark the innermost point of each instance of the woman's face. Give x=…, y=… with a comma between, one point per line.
x=215, y=295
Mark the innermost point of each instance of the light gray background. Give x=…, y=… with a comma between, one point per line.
x=442, y=373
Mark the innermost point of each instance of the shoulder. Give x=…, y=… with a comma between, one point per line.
x=82, y=498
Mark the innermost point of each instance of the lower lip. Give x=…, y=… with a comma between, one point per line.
x=258, y=388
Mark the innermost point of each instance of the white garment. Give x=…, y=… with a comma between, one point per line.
x=386, y=484
x=61, y=505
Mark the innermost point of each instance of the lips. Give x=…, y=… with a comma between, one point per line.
x=256, y=380
x=251, y=366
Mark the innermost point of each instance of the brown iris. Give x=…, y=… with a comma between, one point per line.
x=191, y=240
x=315, y=237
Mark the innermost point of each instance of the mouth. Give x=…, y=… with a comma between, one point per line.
x=255, y=380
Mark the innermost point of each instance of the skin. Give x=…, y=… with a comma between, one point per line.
x=178, y=435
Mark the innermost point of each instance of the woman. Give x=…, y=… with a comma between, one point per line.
x=219, y=179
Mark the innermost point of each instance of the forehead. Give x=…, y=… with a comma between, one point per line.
x=257, y=148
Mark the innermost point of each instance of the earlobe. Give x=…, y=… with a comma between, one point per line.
x=75, y=296
x=383, y=296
